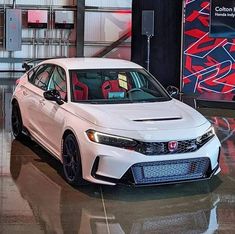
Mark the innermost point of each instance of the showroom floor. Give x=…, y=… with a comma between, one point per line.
x=34, y=198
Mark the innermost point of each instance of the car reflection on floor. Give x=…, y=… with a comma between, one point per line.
x=225, y=129
x=60, y=207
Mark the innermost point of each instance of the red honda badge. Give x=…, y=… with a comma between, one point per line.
x=172, y=146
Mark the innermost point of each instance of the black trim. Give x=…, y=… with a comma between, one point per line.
x=218, y=159
x=95, y=167
x=37, y=25
x=64, y=25
x=163, y=119
x=221, y=104
x=127, y=178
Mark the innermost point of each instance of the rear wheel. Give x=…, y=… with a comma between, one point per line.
x=72, y=161
x=16, y=122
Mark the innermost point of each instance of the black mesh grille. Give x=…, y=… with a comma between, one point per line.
x=161, y=148
x=170, y=171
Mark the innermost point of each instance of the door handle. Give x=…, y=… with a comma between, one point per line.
x=42, y=102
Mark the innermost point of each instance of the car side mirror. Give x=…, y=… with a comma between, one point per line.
x=53, y=95
x=172, y=91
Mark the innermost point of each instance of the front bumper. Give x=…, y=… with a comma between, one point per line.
x=130, y=177
x=111, y=165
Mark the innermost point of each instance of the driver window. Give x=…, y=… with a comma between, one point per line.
x=58, y=82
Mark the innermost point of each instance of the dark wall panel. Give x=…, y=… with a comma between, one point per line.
x=209, y=63
x=165, y=45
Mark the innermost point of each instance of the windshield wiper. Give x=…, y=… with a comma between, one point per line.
x=108, y=101
x=124, y=101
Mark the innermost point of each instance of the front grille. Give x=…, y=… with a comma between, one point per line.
x=170, y=171
x=161, y=148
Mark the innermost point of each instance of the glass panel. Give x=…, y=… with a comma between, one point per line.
x=109, y=3
x=41, y=77
x=58, y=82
x=106, y=26
x=115, y=86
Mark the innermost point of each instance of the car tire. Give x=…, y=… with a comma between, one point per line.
x=72, y=165
x=16, y=122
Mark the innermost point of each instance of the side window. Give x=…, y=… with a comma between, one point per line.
x=30, y=74
x=41, y=76
x=58, y=82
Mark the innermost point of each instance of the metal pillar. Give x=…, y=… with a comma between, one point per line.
x=80, y=27
x=148, y=52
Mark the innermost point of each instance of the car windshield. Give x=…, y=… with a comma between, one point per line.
x=115, y=86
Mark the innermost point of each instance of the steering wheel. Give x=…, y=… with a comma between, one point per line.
x=129, y=93
x=134, y=90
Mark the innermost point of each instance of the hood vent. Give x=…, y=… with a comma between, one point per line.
x=155, y=120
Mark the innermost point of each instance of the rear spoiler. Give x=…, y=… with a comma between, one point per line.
x=27, y=65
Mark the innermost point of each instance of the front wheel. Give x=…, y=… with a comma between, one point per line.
x=16, y=122
x=72, y=161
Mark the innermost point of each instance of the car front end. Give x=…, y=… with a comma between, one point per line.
x=150, y=157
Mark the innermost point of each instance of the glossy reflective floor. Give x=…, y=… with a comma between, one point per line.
x=34, y=198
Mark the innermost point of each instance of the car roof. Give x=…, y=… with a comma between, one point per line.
x=92, y=63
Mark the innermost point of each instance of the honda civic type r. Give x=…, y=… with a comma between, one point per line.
x=109, y=121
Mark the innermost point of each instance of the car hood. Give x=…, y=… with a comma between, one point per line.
x=171, y=114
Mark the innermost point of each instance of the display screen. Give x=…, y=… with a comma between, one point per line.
x=222, y=22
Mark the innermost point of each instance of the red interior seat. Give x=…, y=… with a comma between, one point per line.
x=112, y=86
x=80, y=90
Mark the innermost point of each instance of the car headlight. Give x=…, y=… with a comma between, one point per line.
x=210, y=133
x=112, y=140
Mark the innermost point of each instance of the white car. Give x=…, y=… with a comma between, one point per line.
x=109, y=121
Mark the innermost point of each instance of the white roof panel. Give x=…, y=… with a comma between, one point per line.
x=92, y=63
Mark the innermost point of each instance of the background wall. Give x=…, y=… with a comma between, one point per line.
x=105, y=22
x=37, y=43
x=209, y=63
x=165, y=58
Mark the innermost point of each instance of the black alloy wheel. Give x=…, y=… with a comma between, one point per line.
x=72, y=161
x=16, y=122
